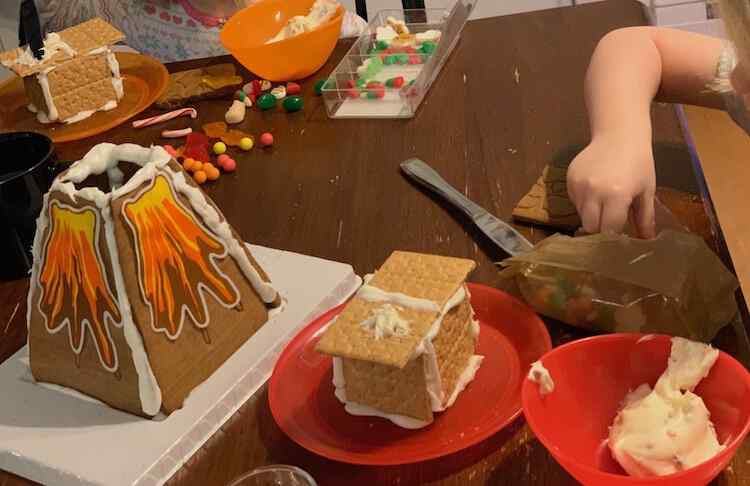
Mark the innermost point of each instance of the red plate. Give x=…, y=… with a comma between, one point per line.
x=303, y=404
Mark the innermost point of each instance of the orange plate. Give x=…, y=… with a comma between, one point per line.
x=144, y=80
x=246, y=33
x=301, y=395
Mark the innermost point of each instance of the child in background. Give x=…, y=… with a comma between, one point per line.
x=613, y=178
x=169, y=30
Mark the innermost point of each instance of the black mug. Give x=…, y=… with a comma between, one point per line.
x=27, y=169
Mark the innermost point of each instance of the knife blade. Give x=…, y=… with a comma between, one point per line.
x=500, y=232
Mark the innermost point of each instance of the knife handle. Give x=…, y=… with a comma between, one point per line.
x=427, y=177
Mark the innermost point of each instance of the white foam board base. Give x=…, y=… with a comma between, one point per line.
x=54, y=437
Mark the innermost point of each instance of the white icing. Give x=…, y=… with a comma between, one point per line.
x=202, y=288
x=354, y=408
x=32, y=108
x=466, y=377
x=398, y=26
x=51, y=114
x=114, y=68
x=385, y=34
x=385, y=321
x=85, y=323
x=540, y=375
x=428, y=36
x=321, y=11
x=53, y=44
x=373, y=294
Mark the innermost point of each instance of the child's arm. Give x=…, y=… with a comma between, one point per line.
x=629, y=69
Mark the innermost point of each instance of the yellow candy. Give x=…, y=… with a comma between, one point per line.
x=246, y=143
x=220, y=148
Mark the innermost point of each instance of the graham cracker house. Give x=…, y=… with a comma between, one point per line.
x=138, y=294
x=77, y=75
x=404, y=346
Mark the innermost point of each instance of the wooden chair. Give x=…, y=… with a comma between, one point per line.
x=361, y=6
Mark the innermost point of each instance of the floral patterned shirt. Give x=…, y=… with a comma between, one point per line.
x=169, y=30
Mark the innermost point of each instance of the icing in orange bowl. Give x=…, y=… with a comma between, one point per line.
x=246, y=33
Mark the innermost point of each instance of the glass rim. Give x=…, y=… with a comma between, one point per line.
x=273, y=468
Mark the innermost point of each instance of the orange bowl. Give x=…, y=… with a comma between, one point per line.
x=246, y=33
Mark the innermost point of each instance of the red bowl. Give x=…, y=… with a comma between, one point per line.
x=593, y=375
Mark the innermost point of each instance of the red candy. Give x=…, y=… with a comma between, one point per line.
x=398, y=81
x=266, y=139
x=353, y=93
x=377, y=88
x=196, y=147
x=415, y=59
x=410, y=50
x=293, y=89
x=256, y=87
x=350, y=83
x=170, y=150
x=229, y=165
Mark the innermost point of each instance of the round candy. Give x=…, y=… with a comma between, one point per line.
x=197, y=166
x=248, y=88
x=229, y=165
x=200, y=176
x=403, y=58
x=266, y=101
x=361, y=83
x=390, y=59
x=350, y=83
x=221, y=158
x=381, y=45
x=293, y=88
x=241, y=95
x=220, y=148
x=415, y=59
x=187, y=164
x=293, y=103
x=246, y=143
x=266, y=139
x=319, y=84
x=427, y=47
x=212, y=173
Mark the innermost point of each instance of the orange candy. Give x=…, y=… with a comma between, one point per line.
x=211, y=172
x=197, y=165
x=187, y=164
x=215, y=129
x=200, y=176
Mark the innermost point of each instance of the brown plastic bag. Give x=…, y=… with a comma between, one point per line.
x=673, y=284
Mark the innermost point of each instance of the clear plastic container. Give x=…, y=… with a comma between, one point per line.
x=278, y=475
x=346, y=98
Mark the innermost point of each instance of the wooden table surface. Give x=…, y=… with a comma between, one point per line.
x=332, y=189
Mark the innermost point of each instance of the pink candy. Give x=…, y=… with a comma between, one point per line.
x=266, y=139
x=170, y=150
x=226, y=162
x=191, y=112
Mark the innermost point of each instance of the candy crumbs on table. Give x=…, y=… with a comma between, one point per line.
x=293, y=89
x=266, y=140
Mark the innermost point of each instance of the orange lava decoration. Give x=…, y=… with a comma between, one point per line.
x=75, y=290
x=174, y=252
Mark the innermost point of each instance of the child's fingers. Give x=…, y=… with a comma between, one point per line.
x=591, y=215
x=615, y=215
x=645, y=218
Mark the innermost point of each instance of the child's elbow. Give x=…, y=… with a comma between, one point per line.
x=628, y=35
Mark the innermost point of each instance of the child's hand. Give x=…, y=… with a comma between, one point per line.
x=610, y=181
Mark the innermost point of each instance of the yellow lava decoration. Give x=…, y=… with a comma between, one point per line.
x=174, y=253
x=75, y=290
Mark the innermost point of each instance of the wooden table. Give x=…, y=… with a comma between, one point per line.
x=333, y=189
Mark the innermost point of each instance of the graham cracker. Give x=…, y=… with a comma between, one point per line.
x=416, y=275
x=52, y=358
x=82, y=84
x=454, y=345
x=181, y=364
x=188, y=86
x=388, y=389
x=547, y=202
x=82, y=38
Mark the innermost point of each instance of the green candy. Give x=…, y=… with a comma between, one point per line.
x=266, y=101
x=389, y=82
x=403, y=58
x=361, y=83
x=320, y=85
x=371, y=95
x=375, y=66
x=427, y=47
x=381, y=45
x=390, y=59
x=293, y=103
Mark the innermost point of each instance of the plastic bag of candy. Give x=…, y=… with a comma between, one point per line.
x=673, y=284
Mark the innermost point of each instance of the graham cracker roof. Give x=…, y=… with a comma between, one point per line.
x=83, y=38
x=417, y=275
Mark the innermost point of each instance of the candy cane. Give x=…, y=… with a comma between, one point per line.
x=177, y=133
x=164, y=117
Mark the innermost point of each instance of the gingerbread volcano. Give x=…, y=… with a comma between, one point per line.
x=138, y=294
